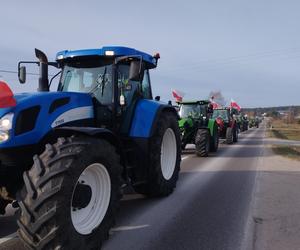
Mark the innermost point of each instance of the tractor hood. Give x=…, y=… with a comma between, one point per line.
x=34, y=115
x=184, y=122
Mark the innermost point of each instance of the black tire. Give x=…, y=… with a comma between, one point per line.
x=229, y=135
x=214, y=140
x=45, y=220
x=202, y=142
x=156, y=185
x=235, y=135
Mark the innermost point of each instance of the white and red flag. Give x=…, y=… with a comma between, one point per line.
x=178, y=95
x=215, y=105
x=233, y=104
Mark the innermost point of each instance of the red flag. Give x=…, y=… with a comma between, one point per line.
x=6, y=96
x=177, y=95
x=233, y=104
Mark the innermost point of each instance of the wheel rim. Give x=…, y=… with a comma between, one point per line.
x=168, y=154
x=86, y=219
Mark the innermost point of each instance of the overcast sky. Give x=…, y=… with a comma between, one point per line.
x=249, y=50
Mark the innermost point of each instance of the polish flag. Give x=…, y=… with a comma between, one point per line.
x=178, y=95
x=214, y=104
x=6, y=96
x=233, y=104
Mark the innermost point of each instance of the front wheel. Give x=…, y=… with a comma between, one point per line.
x=235, y=135
x=71, y=195
x=202, y=142
x=164, y=156
x=229, y=135
x=214, y=141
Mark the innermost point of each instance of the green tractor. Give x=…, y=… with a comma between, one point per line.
x=254, y=122
x=242, y=122
x=197, y=127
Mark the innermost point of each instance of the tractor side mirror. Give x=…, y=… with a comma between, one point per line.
x=22, y=74
x=136, y=71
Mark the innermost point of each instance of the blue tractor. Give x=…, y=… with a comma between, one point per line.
x=66, y=155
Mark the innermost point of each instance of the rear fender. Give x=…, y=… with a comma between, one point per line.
x=160, y=111
x=212, y=125
x=93, y=132
x=145, y=117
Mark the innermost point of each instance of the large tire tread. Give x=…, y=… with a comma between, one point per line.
x=202, y=141
x=229, y=135
x=155, y=184
x=42, y=222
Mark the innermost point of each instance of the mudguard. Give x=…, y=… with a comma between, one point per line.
x=211, y=126
x=90, y=131
x=146, y=114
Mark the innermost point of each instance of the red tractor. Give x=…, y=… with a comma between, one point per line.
x=227, y=123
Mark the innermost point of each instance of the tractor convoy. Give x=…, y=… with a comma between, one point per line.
x=65, y=156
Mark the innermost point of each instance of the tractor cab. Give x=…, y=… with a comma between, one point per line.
x=197, y=109
x=116, y=78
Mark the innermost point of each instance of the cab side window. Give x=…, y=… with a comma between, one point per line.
x=146, y=87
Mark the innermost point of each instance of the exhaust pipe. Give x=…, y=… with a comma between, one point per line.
x=43, y=78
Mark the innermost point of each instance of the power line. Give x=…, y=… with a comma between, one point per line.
x=16, y=72
x=234, y=59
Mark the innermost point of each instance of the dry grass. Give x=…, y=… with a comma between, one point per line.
x=280, y=129
x=292, y=152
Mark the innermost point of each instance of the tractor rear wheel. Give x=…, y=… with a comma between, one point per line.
x=165, y=157
x=202, y=142
x=229, y=135
x=214, y=140
x=235, y=135
x=71, y=195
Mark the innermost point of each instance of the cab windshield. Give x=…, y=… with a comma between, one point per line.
x=223, y=113
x=94, y=80
x=191, y=110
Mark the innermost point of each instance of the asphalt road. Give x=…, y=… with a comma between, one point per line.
x=208, y=210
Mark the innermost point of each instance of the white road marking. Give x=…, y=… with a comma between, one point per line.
x=8, y=237
x=127, y=228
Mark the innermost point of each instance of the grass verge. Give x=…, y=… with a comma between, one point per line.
x=292, y=152
x=281, y=130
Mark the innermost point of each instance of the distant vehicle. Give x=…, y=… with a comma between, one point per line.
x=228, y=128
x=197, y=127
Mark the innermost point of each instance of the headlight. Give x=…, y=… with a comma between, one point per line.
x=6, y=122
x=5, y=126
x=4, y=136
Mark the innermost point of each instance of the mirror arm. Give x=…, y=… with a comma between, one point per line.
x=27, y=62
